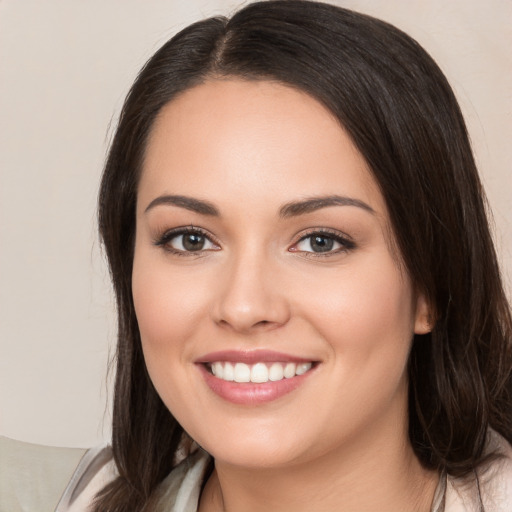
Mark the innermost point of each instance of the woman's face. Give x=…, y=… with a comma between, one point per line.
x=264, y=253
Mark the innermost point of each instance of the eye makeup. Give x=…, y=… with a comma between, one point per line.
x=194, y=241
x=323, y=242
x=186, y=241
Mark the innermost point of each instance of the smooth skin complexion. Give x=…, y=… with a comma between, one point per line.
x=261, y=232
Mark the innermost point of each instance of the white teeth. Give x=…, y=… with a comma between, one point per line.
x=242, y=373
x=258, y=372
x=229, y=372
x=302, y=368
x=276, y=372
x=289, y=370
x=218, y=370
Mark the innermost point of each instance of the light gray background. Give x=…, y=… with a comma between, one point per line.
x=65, y=66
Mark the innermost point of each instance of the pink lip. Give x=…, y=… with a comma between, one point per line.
x=250, y=357
x=248, y=393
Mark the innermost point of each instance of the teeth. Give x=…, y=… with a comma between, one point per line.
x=289, y=370
x=276, y=372
x=242, y=373
x=259, y=372
x=302, y=368
x=229, y=372
x=218, y=370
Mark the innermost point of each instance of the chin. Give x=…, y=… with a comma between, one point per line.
x=253, y=455
x=253, y=448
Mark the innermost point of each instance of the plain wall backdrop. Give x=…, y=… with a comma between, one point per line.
x=65, y=67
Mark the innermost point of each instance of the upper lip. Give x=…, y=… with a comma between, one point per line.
x=251, y=357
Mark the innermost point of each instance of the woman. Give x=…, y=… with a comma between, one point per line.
x=310, y=308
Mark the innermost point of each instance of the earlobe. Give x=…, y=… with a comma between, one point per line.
x=424, y=321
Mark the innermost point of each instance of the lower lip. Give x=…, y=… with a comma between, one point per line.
x=249, y=393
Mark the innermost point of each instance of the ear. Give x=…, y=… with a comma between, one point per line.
x=423, y=323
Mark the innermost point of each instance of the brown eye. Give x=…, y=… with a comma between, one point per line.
x=186, y=240
x=189, y=242
x=193, y=241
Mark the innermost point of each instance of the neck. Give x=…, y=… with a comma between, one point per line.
x=376, y=471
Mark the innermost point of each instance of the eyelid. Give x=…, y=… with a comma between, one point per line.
x=346, y=242
x=163, y=239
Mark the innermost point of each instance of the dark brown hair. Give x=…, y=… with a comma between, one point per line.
x=402, y=115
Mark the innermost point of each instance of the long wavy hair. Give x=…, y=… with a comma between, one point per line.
x=402, y=115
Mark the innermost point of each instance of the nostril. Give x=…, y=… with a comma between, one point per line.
x=250, y=311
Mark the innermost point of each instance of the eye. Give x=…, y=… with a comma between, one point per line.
x=322, y=242
x=186, y=240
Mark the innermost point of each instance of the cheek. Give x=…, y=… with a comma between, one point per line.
x=167, y=303
x=367, y=321
x=366, y=314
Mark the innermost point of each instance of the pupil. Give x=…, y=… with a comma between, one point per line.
x=193, y=242
x=322, y=244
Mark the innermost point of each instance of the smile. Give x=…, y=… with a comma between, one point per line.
x=259, y=372
x=252, y=378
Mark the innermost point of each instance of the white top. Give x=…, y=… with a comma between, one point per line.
x=179, y=492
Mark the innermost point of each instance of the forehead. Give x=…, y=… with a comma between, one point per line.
x=254, y=140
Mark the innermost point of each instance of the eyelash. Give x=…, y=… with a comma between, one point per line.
x=345, y=243
x=164, y=240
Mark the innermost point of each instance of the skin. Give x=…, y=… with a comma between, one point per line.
x=249, y=148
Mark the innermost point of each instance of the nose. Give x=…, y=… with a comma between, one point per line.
x=250, y=297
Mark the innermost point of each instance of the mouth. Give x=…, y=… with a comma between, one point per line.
x=254, y=377
x=258, y=373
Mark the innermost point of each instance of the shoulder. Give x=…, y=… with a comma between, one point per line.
x=182, y=486
x=491, y=484
x=95, y=470
x=32, y=476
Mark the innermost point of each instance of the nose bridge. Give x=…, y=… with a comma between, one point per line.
x=250, y=298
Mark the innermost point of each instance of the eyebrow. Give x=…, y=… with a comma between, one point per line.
x=313, y=204
x=189, y=203
x=292, y=209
